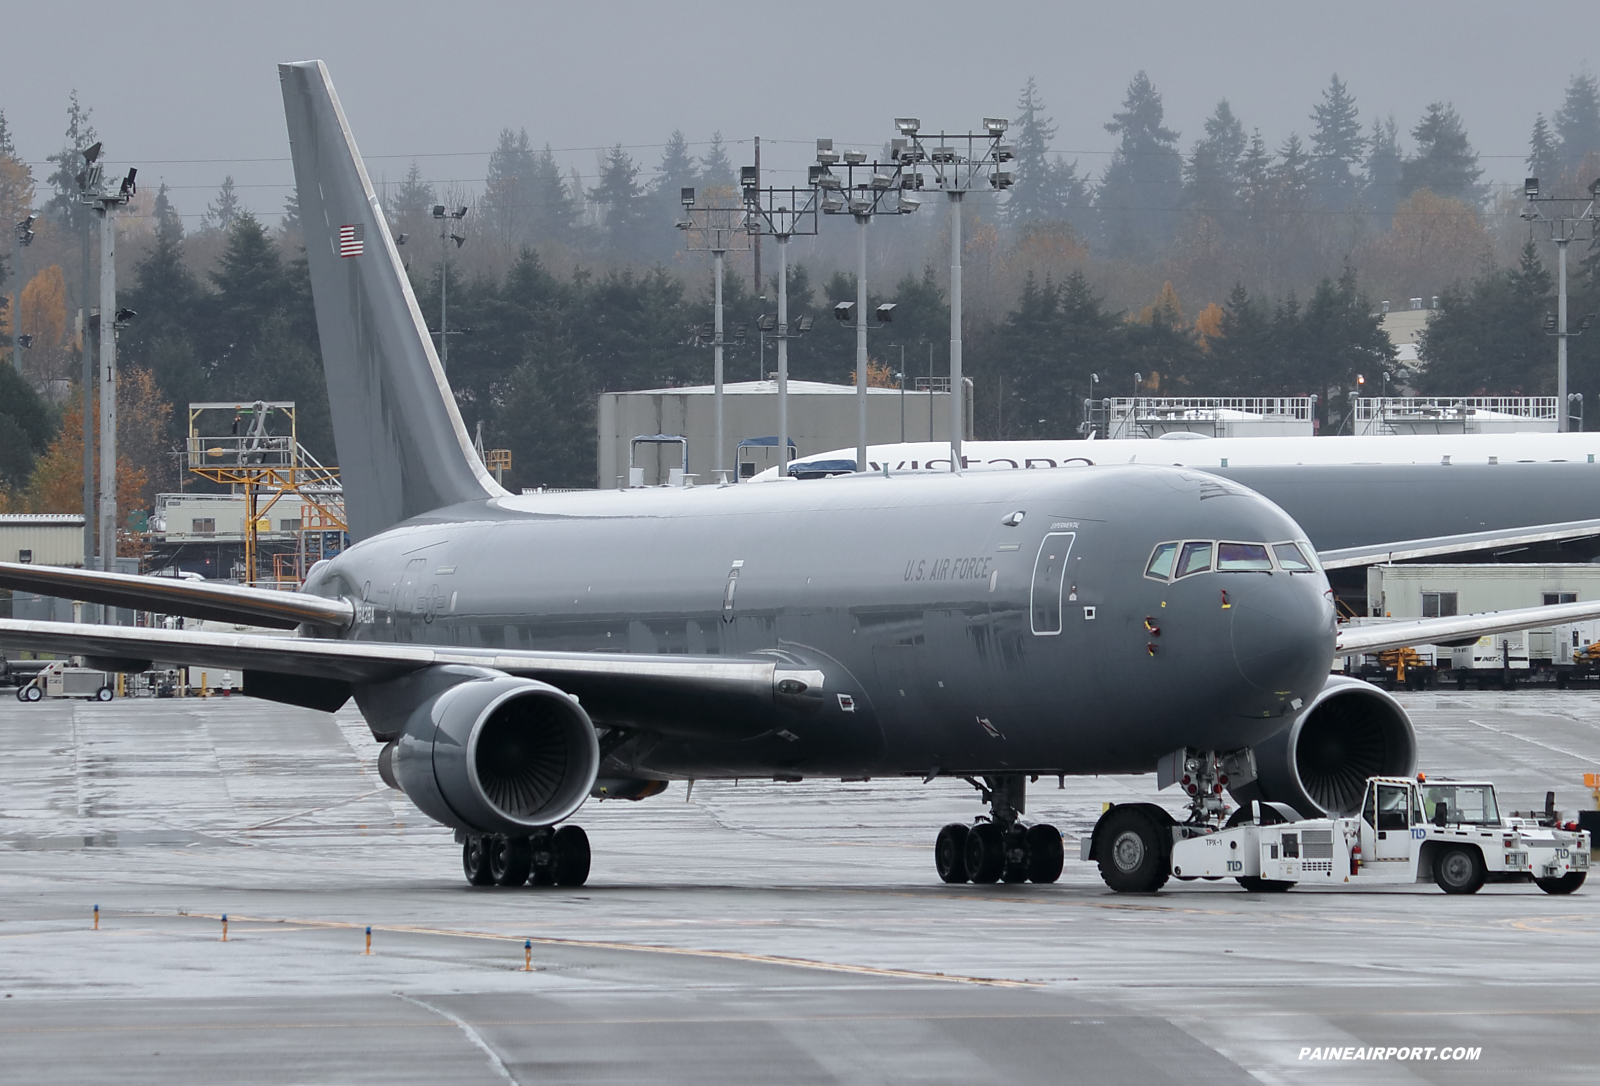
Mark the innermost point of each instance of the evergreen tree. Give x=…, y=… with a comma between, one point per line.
x=6, y=147
x=1044, y=189
x=1243, y=354
x=1577, y=122
x=1142, y=188
x=1445, y=162
x=69, y=162
x=1381, y=186
x=554, y=210
x=412, y=199
x=222, y=214
x=1340, y=337
x=627, y=222
x=1489, y=337
x=1337, y=147
x=1544, y=155
x=1293, y=174
x=675, y=173
x=1212, y=174
x=716, y=168
x=166, y=296
x=508, y=196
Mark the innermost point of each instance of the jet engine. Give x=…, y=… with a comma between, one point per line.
x=496, y=754
x=1351, y=731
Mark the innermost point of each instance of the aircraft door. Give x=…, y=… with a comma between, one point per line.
x=1049, y=579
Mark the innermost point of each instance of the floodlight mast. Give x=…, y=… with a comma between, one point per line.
x=883, y=191
x=104, y=203
x=717, y=230
x=1571, y=225
x=956, y=174
x=446, y=236
x=21, y=238
x=780, y=214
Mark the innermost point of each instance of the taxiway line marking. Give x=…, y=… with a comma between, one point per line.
x=642, y=948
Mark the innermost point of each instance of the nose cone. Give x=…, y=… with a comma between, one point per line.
x=1283, y=632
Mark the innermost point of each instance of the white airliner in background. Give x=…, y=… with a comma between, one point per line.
x=1199, y=451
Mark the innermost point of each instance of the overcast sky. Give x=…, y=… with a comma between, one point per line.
x=188, y=91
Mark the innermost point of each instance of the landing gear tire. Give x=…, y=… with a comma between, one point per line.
x=510, y=860
x=569, y=859
x=1045, y=854
x=1132, y=855
x=1258, y=885
x=1459, y=870
x=985, y=853
x=475, y=859
x=950, y=853
x=1566, y=884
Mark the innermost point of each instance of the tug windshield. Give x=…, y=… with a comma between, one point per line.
x=1464, y=803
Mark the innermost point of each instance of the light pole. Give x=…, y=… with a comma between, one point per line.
x=884, y=189
x=447, y=234
x=1564, y=228
x=105, y=204
x=716, y=229
x=21, y=239
x=780, y=214
x=958, y=162
x=901, y=377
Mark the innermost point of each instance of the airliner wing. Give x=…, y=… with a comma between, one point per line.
x=319, y=672
x=1459, y=628
x=1375, y=553
x=171, y=596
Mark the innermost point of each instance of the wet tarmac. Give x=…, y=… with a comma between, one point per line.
x=759, y=932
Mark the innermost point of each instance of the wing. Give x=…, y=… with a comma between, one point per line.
x=1459, y=628
x=677, y=695
x=1457, y=544
x=171, y=596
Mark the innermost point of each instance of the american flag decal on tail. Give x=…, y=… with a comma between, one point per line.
x=352, y=239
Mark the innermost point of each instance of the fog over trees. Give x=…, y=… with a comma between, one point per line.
x=1218, y=262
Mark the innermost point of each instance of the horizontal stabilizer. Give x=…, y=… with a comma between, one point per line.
x=172, y=596
x=1377, y=553
x=1438, y=631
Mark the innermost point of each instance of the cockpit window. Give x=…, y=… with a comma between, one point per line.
x=1195, y=558
x=1234, y=557
x=1160, y=567
x=1290, y=558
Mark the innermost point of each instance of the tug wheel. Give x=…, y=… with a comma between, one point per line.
x=1133, y=857
x=1258, y=885
x=1459, y=870
x=1566, y=884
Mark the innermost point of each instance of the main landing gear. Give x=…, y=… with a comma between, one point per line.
x=999, y=848
x=548, y=857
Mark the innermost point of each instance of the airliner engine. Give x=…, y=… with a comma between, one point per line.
x=499, y=755
x=1351, y=731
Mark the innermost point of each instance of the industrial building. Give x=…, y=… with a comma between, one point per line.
x=664, y=434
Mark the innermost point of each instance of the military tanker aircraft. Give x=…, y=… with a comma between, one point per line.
x=515, y=655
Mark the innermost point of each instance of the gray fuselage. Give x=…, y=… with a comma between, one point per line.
x=944, y=638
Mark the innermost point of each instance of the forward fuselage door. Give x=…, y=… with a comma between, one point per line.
x=1049, y=581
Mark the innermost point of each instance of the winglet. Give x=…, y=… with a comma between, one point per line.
x=403, y=449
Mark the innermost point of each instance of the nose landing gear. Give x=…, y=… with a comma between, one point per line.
x=999, y=847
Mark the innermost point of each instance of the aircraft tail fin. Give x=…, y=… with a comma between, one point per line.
x=403, y=449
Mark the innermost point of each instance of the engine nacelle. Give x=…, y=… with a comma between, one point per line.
x=497, y=754
x=1352, y=730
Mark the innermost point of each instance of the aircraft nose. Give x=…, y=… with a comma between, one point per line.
x=1283, y=631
